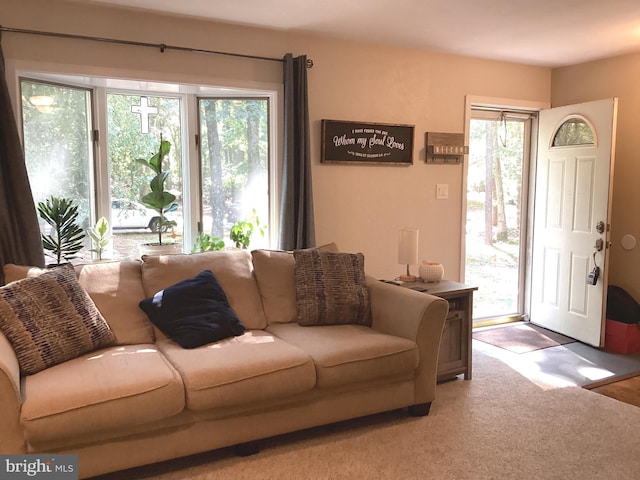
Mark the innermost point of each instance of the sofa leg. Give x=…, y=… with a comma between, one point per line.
x=248, y=449
x=420, y=410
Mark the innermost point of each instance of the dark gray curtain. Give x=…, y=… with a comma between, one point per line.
x=297, y=229
x=19, y=232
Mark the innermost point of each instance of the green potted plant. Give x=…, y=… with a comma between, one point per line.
x=159, y=199
x=100, y=237
x=242, y=230
x=67, y=237
x=206, y=243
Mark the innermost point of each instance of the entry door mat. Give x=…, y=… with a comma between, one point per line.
x=625, y=388
x=521, y=338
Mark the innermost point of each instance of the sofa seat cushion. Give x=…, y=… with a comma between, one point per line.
x=348, y=354
x=247, y=369
x=117, y=387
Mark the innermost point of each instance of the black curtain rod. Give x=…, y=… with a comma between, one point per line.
x=161, y=46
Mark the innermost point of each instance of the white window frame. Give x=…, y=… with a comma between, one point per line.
x=102, y=80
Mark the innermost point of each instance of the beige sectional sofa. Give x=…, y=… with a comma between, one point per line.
x=145, y=399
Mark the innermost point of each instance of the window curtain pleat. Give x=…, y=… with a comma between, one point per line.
x=297, y=228
x=19, y=232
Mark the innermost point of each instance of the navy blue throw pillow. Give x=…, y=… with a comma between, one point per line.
x=193, y=312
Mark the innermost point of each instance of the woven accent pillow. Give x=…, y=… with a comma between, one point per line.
x=331, y=288
x=49, y=319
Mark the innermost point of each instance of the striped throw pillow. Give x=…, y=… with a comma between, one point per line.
x=331, y=288
x=49, y=319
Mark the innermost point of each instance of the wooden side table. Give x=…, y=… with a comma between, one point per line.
x=455, y=348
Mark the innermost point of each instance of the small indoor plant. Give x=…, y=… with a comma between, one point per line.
x=100, y=237
x=206, y=243
x=159, y=199
x=242, y=230
x=67, y=237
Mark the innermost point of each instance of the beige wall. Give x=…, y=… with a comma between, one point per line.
x=360, y=207
x=614, y=77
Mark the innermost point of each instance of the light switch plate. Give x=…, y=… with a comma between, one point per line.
x=442, y=191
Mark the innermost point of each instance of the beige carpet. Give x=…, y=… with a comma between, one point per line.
x=497, y=426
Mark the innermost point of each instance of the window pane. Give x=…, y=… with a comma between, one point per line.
x=574, y=131
x=58, y=150
x=234, y=164
x=135, y=124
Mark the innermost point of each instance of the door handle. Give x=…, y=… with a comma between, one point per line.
x=599, y=245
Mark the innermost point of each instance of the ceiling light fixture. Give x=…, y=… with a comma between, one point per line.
x=44, y=103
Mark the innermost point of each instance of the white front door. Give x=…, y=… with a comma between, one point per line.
x=572, y=202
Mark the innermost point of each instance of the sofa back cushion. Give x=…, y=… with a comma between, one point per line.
x=232, y=268
x=277, y=284
x=14, y=273
x=116, y=290
x=275, y=275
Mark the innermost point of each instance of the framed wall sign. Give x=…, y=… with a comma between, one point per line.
x=357, y=142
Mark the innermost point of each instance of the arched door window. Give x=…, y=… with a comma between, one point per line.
x=575, y=130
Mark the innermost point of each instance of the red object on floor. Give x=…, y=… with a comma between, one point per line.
x=621, y=337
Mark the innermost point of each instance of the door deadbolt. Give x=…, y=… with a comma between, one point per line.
x=600, y=227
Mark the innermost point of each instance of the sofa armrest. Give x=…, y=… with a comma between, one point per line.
x=11, y=440
x=416, y=316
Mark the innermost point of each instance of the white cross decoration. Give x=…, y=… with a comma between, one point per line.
x=144, y=110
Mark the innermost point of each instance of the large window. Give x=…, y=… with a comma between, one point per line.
x=135, y=126
x=57, y=126
x=83, y=138
x=234, y=164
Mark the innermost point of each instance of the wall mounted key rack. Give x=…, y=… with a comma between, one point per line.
x=445, y=148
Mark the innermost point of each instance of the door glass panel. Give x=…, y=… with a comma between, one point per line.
x=234, y=164
x=135, y=124
x=58, y=148
x=494, y=215
x=574, y=131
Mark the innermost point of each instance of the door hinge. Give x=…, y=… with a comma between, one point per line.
x=95, y=134
x=197, y=140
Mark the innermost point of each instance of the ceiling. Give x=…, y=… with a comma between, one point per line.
x=538, y=32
